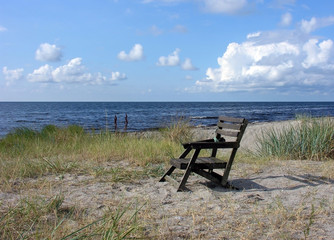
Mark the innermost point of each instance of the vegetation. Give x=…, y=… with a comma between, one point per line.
x=25, y=153
x=39, y=219
x=31, y=160
x=178, y=131
x=28, y=153
x=310, y=138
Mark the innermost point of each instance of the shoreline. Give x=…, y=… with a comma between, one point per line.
x=194, y=128
x=200, y=132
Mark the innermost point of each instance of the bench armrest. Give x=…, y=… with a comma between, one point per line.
x=211, y=144
x=186, y=145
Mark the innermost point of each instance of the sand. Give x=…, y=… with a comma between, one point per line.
x=277, y=200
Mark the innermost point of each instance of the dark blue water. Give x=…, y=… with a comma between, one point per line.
x=147, y=115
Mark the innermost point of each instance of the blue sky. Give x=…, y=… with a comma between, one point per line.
x=166, y=50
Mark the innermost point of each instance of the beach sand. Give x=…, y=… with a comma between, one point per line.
x=277, y=200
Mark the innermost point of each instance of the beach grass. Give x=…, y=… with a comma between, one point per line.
x=310, y=138
x=29, y=153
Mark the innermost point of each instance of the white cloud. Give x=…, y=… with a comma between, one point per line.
x=12, y=75
x=3, y=29
x=281, y=60
x=73, y=72
x=172, y=59
x=253, y=35
x=117, y=76
x=48, y=53
x=187, y=65
x=315, y=23
x=317, y=54
x=224, y=6
x=135, y=54
x=42, y=74
x=286, y=19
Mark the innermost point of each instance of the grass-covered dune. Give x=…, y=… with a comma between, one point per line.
x=28, y=153
x=65, y=183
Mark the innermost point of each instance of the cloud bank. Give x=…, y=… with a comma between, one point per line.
x=73, y=72
x=275, y=60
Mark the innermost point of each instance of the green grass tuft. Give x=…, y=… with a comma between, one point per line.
x=311, y=138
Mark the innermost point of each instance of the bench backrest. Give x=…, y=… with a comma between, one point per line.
x=231, y=127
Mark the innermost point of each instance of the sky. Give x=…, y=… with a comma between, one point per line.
x=166, y=50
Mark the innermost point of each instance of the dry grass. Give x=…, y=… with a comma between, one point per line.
x=36, y=218
x=247, y=219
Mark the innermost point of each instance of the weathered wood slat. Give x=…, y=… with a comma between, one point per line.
x=227, y=133
x=215, y=177
x=211, y=145
x=229, y=126
x=231, y=119
x=201, y=163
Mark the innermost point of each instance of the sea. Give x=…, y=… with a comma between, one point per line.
x=143, y=116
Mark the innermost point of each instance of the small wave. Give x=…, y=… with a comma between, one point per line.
x=25, y=121
x=41, y=119
x=203, y=117
x=62, y=120
x=39, y=113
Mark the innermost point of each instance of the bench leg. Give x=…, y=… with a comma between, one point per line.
x=188, y=171
x=172, y=168
x=168, y=173
x=228, y=168
x=185, y=153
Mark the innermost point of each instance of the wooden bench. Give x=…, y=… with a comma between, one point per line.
x=227, y=128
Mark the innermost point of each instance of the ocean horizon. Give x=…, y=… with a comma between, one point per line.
x=147, y=115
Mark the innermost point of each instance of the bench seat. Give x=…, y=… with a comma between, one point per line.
x=201, y=163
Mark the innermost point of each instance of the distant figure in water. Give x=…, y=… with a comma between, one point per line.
x=115, y=122
x=126, y=122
